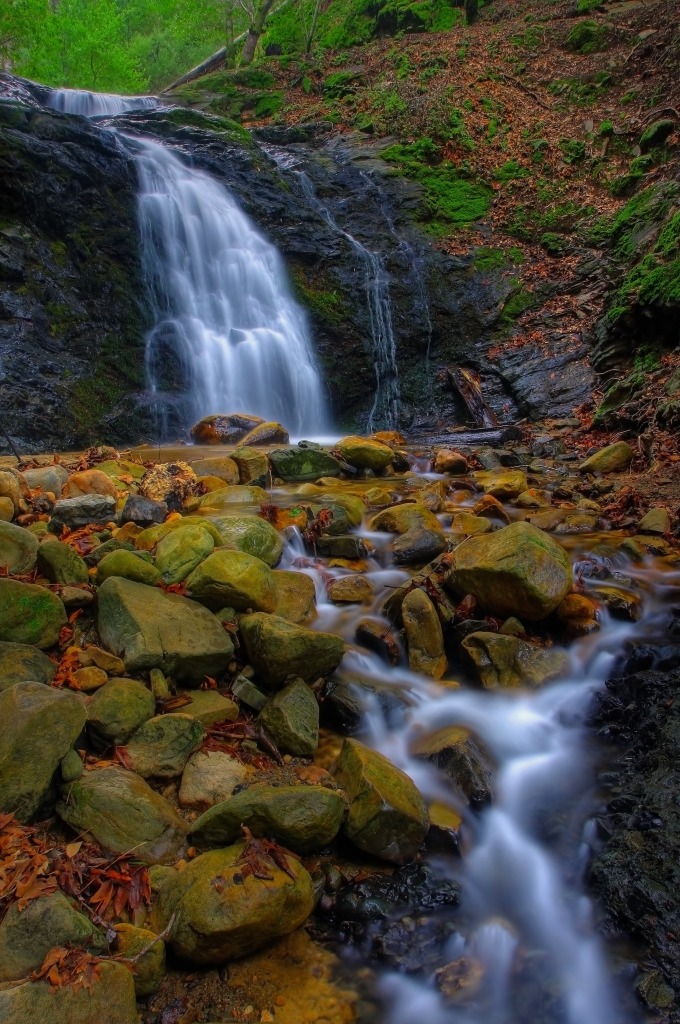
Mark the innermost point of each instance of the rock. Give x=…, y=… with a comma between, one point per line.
x=459, y=755
x=387, y=815
x=503, y=484
x=577, y=522
x=21, y=663
x=238, y=494
x=466, y=522
x=110, y=998
x=128, y=565
x=122, y=813
x=248, y=693
x=6, y=509
x=448, y=461
x=622, y=604
x=59, y=563
x=28, y=935
x=18, y=549
x=222, y=913
x=151, y=629
x=88, y=679
x=143, y=511
x=351, y=589
x=89, y=481
x=424, y=635
x=40, y=725
x=76, y=512
x=490, y=508
x=291, y=718
x=371, y=633
x=149, y=970
x=102, y=659
x=295, y=596
x=208, y=706
x=47, y=479
x=118, y=709
x=71, y=766
x=503, y=660
x=222, y=467
x=30, y=614
x=302, y=818
x=170, y=483
x=657, y=133
x=149, y=538
x=531, y=498
x=347, y=546
x=161, y=747
x=251, y=534
x=277, y=648
x=233, y=578
x=655, y=521
x=224, y=428
x=181, y=551
x=515, y=571
x=121, y=471
x=418, y=546
x=402, y=518
x=300, y=463
x=251, y=464
x=94, y=557
x=576, y=609
x=615, y=458
x=266, y=433
x=363, y=453
x=9, y=488
x=353, y=505
x=75, y=597
x=209, y=778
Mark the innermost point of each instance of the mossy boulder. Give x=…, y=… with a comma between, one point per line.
x=303, y=818
x=353, y=505
x=128, y=565
x=252, y=464
x=363, y=453
x=149, y=538
x=387, y=815
x=181, y=551
x=20, y=663
x=295, y=596
x=504, y=484
x=111, y=998
x=161, y=746
x=40, y=725
x=402, y=518
x=237, y=494
x=266, y=433
x=657, y=133
x=234, y=579
x=221, y=912
x=277, y=648
x=301, y=463
x=518, y=570
x=149, y=970
x=151, y=629
x=30, y=614
x=123, y=814
x=508, y=661
x=424, y=635
x=224, y=428
x=222, y=467
x=28, y=935
x=251, y=534
x=59, y=563
x=18, y=548
x=615, y=458
x=119, y=708
x=291, y=718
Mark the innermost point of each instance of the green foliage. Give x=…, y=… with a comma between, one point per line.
x=586, y=37
x=340, y=84
x=572, y=150
x=510, y=171
x=325, y=302
x=582, y=92
x=488, y=259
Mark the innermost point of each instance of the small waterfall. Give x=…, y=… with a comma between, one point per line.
x=96, y=104
x=221, y=303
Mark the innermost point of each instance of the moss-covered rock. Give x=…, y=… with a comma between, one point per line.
x=615, y=458
x=266, y=433
x=364, y=453
x=149, y=970
x=20, y=663
x=460, y=756
x=209, y=778
x=161, y=746
x=18, y=548
x=402, y=518
x=149, y=538
x=30, y=614
x=236, y=494
x=208, y=706
x=302, y=463
x=28, y=935
x=129, y=565
x=424, y=634
x=181, y=551
x=111, y=998
x=59, y=563
x=223, y=467
x=291, y=718
x=504, y=484
x=251, y=534
x=295, y=596
x=277, y=648
x=119, y=708
x=509, y=661
x=234, y=579
x=252, y=464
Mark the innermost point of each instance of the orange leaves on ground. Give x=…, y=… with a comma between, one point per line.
x=258, y=852
x=69, y=663
x=109, y=888
x=73, y=967
x=81, y=540
x=175, y=588
x=24, y=864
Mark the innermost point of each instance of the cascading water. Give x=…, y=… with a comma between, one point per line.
x=97, y=104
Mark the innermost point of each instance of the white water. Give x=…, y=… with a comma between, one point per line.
x=96, y=104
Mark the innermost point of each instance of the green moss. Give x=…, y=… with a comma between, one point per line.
x=517, y=303
x=572, y=150
x=182, y=117
x=587, y=37
x=314, y=293
x=268, y=104
x=655, y=280
x=487, y=259
x=341, y=83
x=510, y=171
x=253, y=78
x=582, y=92
x=59, y=253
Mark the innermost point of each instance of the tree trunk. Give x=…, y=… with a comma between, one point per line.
x=255, y=31
x=312, y=28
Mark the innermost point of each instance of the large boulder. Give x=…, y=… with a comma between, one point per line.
x=18, y=548
x=222, y=911
x=266, y=433
x=508, y=661
x=162, y=745
x=277, y=648
x=364, y=453
x=252, y=464
x=424, y=635
x=233, y=579
x=181, y=551
x=459, y=755
x=20, y=663
x=119, y=708
x=251, y=534
x=28, y=935
x=123, y=814
x=224, y=428
x=76, y=512
x=151, y=629
x=518, y=570
x=303, y=818
x=30, y=614
x=302, y=463
x=291, y=718
x=89, y=481
x=615, y=458
x=59, y=563
x=110, y=998
x=387, y=815
x=39, y=727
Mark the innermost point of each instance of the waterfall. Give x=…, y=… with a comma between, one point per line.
x=96, y=104
x=221, y=303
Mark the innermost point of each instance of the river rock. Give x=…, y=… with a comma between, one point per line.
x=615, y=458
x=237, y=494
x=353, y=505
x=251, y=534
x=27, y=936
x=181, y=551
x=123, y=814
x=151, y=629
x=110, y=998
x=6, y=509
x=222, y=912
x=76, y=512
x=209, y=778
x=47, y=479
x=402, y=518
x=251, y=463
x=208, y=706
x=170, y=482
x=128, y=565
x=518, y=570
x=502, y=660
x=303, y=818
x=503, y=484
x=40, y=725
x=89, y=481
x=424, y=635
x=363, y=453
x=301, y=463
x=118, y=709
x=346, y=546
x=234, y=579
x=466, y=522
x=387, y=815
x=292, y=719
x=295, y=596
x=447, y=460
x=10, y=489
x=161, y=746
x=143, y=511
x=224, y=428
x=59, y=563
x=622, y=603
x=149, y=538
x=277, y=648
x=30, y=614
x=460, y=756
x=18, y=548
x=20, y=663
x=266, y=433
x=352, y=589
x=656, y=521
x=418, y=546
x=88, y=679
x=149, y=970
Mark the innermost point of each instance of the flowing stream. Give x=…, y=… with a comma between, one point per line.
x=97, y=104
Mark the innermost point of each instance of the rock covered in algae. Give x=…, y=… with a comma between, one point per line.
x=277, y=648
x=509, y=661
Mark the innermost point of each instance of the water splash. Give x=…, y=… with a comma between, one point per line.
x=96, y=104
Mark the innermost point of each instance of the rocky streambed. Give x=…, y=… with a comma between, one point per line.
x=262, y=701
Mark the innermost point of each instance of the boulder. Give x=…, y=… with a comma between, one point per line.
x=221, y=912
x=277, y=648
x=303, y=818
x=59, y=563
x=291, y=718
x=295, y=596
x=149, y=970
x=110, y=998
x=18, y=549
x=364, y=453
x=149, y=538
x=518, y=570
x=252, y=464
x=118, y=709
x=233, y=578
x=301, y=463
x=615, y=458
x=30, y=614
x=387, y=815
x=251, y=534
x=424, y=636
x=161, y=747
x=208, y=706
x=238, y=494
x=128, y=565
x=28, y=935
x=505, y=660
x=222, y=468
x=418, y=546
x=40, y=725
x=266, y=433
x=76, y=512
x=209, y=778
x=181, y=551
x=123, y=814
x=143, y=511
x=224, y=428
x=20, y=663
x=503, y=484
x=10, y=489
x=447, y=460
x=89, y=481
x=402, y=518
x=353, y=505
x=47, y=479
x=151, y=629
x=351, y=589
x=460, y=756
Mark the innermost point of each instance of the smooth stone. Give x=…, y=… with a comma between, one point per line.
x=266, y=433
x=149, y=538
x=347, y=546
x=27, y=936
x=350, y=590
x=143, y=511
x=233, y=578
x=655, y=521
x=418, y=546
x=577, y=522
x=222, y=467
x=224, y=428
x=88, y=679
x=222, y=913
x=18, y=549
x=251, y=464
x=209, y=707
x=295, y=596
x=251, y=534
x=236, y=494
x=123, y=814
x=76, y=512
x=71, y=766
x=277, y=648
x=424, y=636
x=354, y=507
x=548, y=519
x=118, y=709
x=150, y=968
x=6, y=509
x=387, y=815
x=10, y=488
x=363, y=453
x=301, y=463
x=161, y=746
x=89, y=481
x=466, y=522
x=503, y=484
x=111, y=998
x=128, y=565
x=59, y=563
x=40, y=725
x=30, y=614
x=446, y=460
x=291, y=718
x=20, y=663
x=302, y=818
x=615, y=458
x=92, y=655
x=181, y=551
x=460, y=756
x=502, y=660
x=209, y=778
x=402, y=518
x=47, y=479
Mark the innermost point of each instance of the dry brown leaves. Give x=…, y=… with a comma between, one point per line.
x=109, y=888
x=75, y=968
x=25, y=866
